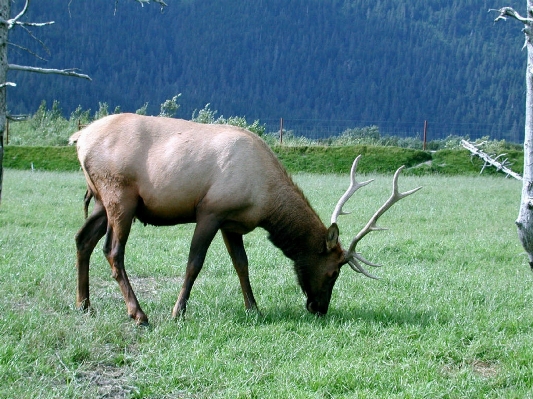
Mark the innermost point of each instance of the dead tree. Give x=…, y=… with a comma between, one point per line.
x=524, y=222
x=6, y=24
x=502, y=165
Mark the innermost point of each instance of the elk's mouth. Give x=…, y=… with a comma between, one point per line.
x=314, y=308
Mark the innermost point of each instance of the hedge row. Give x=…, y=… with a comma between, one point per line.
x=300, y=159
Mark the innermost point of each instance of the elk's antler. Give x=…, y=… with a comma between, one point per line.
x=353, y=258
x=354, y=186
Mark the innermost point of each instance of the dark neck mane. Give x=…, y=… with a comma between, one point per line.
x=294, y=226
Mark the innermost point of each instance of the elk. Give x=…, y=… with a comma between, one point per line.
x=165, y=171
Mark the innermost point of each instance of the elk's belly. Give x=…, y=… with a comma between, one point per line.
x=147, y=216
x=166, y=212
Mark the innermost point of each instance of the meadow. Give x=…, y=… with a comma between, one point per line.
x=451, y=316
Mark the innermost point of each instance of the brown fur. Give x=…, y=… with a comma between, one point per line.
x=167, y=171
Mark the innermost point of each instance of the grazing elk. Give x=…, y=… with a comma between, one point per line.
x=166, y=171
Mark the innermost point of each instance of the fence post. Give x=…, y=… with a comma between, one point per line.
x=281, y=130
x=425, y=135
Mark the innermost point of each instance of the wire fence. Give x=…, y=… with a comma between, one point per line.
x=320, y=129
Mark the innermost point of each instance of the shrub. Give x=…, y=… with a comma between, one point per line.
x=170, y=107
x=207, y=115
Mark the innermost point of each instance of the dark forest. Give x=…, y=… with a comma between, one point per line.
x=330, y=64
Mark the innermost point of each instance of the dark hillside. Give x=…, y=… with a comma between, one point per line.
x=315, y=62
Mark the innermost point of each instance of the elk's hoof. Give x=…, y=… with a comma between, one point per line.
x=142, y=323
x=85, y=307
x=140, y=318
x=253, y=310
x=89, y=310
x=178, y=312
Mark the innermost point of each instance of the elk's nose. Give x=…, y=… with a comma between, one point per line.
x=314, y=308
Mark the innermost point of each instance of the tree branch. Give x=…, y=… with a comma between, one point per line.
x=510, y=12
x=37, y=24
x=10, y=23
x=143, y=2
x=13, y=21
x=29, y=51
x=160, y=2
x=66, y=72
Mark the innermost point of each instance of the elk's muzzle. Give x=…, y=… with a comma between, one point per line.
x=317, y=308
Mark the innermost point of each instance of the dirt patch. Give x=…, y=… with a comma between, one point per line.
x=478, y=367
x=485, y=369
x=144, y=287
x=106, y=381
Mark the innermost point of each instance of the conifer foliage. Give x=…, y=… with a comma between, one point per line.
x=384, y=63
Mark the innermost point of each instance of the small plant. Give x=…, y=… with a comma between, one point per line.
x=103, y=110
x=207, y=115
x=170, y=107
x=495, y=146
x=80, y=116
x=365, y=133
x=142, y=110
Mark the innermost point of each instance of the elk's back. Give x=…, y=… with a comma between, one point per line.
x=173, y=168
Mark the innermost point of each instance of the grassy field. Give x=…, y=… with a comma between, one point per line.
x=452, y=316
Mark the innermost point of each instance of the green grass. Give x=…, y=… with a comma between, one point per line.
x=452, y=316
x=313, y=159
x=41, y=158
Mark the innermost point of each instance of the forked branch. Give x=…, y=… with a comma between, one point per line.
x=510, y=12
x=353, y=258
x=10, y=23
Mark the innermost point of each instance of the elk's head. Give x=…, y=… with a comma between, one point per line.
x=319, y=286
x=317, y=273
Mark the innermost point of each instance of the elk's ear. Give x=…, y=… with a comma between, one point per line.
x=333, y=236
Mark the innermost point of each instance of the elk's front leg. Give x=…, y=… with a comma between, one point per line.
x=205, y=231
x=235, y=247
x=87, y=237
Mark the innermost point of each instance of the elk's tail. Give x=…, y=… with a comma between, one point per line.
x=74, y=138
x=86, y=201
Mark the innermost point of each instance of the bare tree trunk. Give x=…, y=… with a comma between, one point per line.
x=5, y=25
x=4, y=14
x=524, y=221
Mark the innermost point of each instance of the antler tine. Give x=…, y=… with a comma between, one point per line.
x=354, y=186
x=356, y=266
x=371, y=225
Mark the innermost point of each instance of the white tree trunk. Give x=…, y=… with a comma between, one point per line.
x=4, y=15
x=524, y=222
x=525, y=215
x=7, y=23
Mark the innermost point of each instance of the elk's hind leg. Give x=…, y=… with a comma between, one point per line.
x=235, y=247
x=87, y=237
x=118, y=230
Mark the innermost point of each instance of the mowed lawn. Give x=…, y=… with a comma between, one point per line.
x=451, y=316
